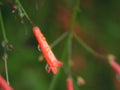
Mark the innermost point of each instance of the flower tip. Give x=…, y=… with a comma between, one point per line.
x=59, y=64
x=35, y=28
x=54, y=70
x=36, y=31
x=111, y=57
x=48, y=69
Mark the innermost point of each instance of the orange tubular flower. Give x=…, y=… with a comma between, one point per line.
x=69, y=84
x=4, y=85
x=52, y=62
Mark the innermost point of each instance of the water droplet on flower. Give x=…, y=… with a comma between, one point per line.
x=47, y=68
x=39, y=48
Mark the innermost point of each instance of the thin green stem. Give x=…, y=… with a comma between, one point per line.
x=70, y=35
x=58, y=40
x=25, y=13
x=6, y=67
x=3, y=29
x=83, y=44
x=74, y=16
x=5, y=43
x=68, y=44
x=20, y=5
x=73, y=20
x=69, y=56
x=88, y=48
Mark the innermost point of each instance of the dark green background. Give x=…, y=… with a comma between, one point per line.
x=98, y=19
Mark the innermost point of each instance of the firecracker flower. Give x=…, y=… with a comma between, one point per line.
x=4, y=85
x=114, y=64
x=52, y=62
x=69, y=83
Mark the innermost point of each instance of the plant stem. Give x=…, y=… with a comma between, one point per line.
x=5, y=44
x=20, y=5
x=68, y=43
x=25, y=13
x=2, y=28
x=69, y=57
x=6, y=67
x=58, y=40
x=88, y=48
x=72, y=24
x=73, y=19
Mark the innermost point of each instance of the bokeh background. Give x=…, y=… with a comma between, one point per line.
x=97, y=24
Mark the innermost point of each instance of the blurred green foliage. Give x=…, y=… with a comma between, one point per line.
x=98, y=19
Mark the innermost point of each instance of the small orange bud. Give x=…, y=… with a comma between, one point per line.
x=70, y=84
x=114, y=64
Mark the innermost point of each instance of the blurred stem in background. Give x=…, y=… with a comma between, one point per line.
x=57, y=41
x=88, y=48
x=68, y=43
x=23, y=12
x=4, y=44
x=19, y=5
x=2, y=28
